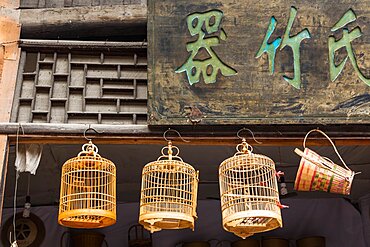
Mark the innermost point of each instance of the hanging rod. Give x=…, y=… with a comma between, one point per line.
x=78, y=44
x=199, y=135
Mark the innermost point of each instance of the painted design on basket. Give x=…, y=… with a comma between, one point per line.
x=320, y=174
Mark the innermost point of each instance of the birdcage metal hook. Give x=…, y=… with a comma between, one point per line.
x=90, y=128
x=173, y=130
x=243, y=138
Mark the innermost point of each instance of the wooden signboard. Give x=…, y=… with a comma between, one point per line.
x=258, y=62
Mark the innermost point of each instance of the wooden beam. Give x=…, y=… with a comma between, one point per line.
x=76, y=44
x=198, y=135
x=9, y=59
x=3, y=168
x=9, y=4
x=129, y=14
x=193, y=140
x=143, y=134
x=279, y=132
x=96, y=21
x=211, y=141
x=76, y=129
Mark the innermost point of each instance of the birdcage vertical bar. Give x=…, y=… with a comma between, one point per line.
x=249, y=195
x=88, y=191
x=168, y=194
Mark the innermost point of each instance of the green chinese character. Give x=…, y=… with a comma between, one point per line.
x=293, y=41
x=345, y=41
x=210, y=66
x=270, y=48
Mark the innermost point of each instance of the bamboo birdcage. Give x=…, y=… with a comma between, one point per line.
x=249, y=193
x=88, y=190
x=168, y=193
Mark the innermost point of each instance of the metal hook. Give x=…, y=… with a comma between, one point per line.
x=20, y=127
x=238, y=134
x=178, y=133
x=89, y=139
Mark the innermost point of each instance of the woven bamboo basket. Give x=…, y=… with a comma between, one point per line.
x=88, y=190
x=317, y=173
x=249, y=193
x=168, y=193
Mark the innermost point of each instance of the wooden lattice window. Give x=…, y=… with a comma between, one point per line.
x=81, y=82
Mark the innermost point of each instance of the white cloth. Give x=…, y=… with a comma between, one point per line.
x=28, y=158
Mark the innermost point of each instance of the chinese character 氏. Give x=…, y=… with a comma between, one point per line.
x=345, y=41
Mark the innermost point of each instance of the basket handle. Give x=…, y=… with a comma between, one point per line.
x=331, y=142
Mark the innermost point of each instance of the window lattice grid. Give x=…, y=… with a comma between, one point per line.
x=81, y=87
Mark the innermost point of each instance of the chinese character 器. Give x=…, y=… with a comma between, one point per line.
x=210, y=66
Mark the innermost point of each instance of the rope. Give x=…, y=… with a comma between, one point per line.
x=331, y=142
x=16, y=186
x=28, y=184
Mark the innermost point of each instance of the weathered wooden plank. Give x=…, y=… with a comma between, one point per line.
x=98, y=14
x=355, y=131
x=73, y=3
x=218, y=135
x=9, y=36
x=74, y=44
x=99, y=22
x=9, y=3
x=7, y=87
x=3, y=168
x=253, y=96
x=210, y=141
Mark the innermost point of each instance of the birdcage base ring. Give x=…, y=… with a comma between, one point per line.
x=166, y=220
x=252, y=221
x=87, y=218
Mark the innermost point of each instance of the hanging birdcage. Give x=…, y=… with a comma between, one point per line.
x=88, y=190
x=249, y=193
x=168, y=193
